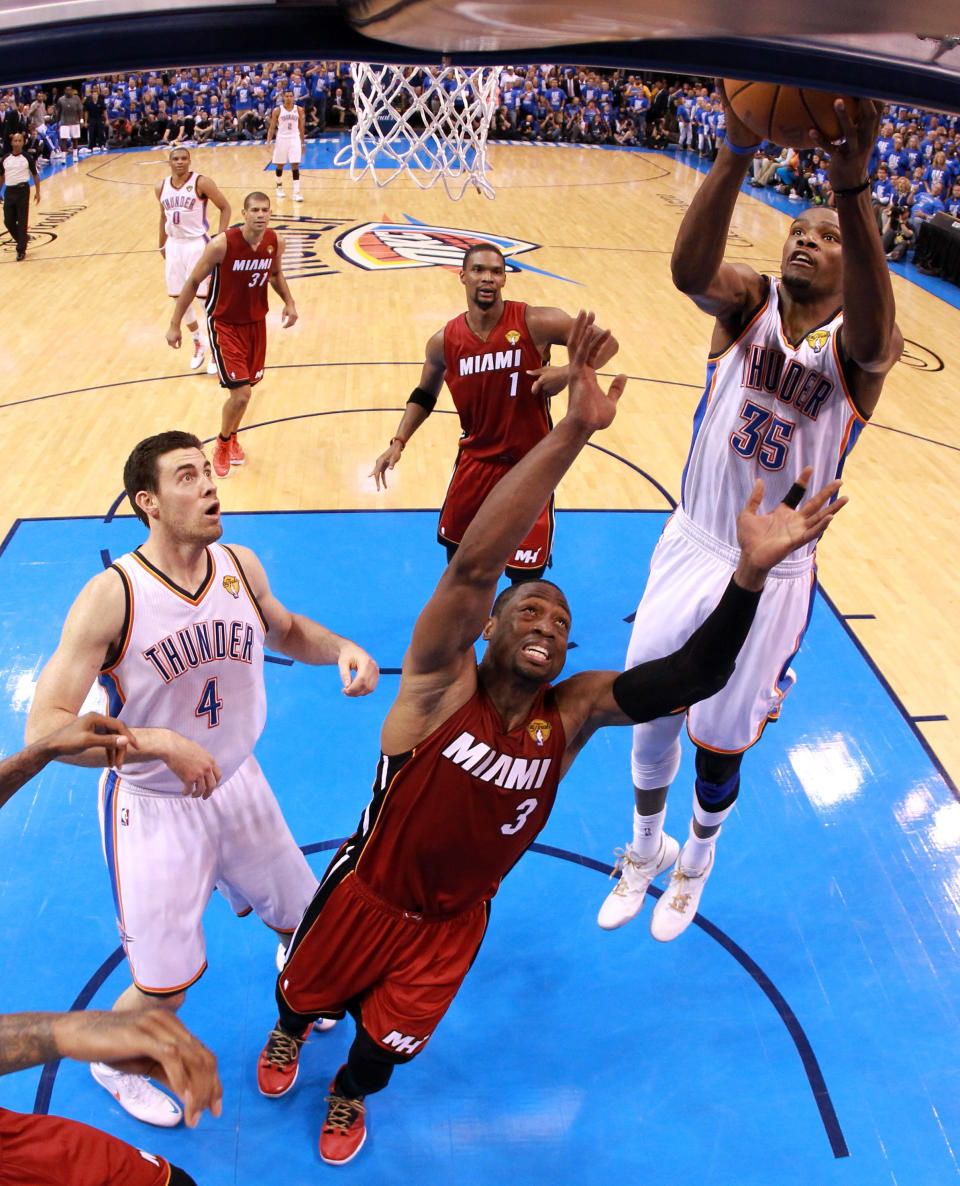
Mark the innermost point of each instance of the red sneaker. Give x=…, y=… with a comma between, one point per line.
x=344, y=1131
x=279, y=1062
x=237, y=455
x=221, y=458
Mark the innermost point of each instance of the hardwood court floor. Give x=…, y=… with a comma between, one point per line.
x=88, y=372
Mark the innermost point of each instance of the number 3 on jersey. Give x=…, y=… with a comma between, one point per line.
x=209, y=704
x=523, y=814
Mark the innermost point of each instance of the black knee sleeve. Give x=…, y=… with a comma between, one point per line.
x=295, y=170
x=179, y=1178
x=279, y=170
x=718, y=779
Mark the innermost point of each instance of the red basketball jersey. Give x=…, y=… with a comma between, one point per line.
x=492, y=392
x=449, y=820
x=238, y=287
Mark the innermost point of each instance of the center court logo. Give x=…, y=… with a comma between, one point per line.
x=386, y=246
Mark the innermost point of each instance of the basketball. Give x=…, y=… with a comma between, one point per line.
x=785, y=114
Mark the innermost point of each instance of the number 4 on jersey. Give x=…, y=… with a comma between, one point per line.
x=209, y=704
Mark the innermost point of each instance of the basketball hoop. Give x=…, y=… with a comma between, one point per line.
x=430, y=123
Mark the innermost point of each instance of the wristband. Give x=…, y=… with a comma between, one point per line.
x=854, y=189
x=742, y=151
x=400, y=439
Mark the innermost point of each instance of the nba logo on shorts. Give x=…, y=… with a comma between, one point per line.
x=125, y=816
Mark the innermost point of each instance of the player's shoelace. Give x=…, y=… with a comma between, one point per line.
x=282, y=1049
x=342, y=1112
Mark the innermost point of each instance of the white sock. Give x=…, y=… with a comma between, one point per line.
x=696, y=852
x=647, y=833
x=296, y=186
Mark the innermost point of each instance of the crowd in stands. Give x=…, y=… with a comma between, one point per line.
x=915, y=170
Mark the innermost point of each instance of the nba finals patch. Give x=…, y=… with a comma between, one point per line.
x=539, y=730
x=513, y=337
x=817, y=340
x=232, y=586
x=386, y=246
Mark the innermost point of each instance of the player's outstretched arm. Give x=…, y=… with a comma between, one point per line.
x=697, y=263
x=419, y=406
x=548, y=327
x=91, y=731
x=870, y=336
x=151, y=1042
x=304, y=639
x=705, y=662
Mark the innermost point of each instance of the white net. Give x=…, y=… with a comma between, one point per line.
x=429, y=123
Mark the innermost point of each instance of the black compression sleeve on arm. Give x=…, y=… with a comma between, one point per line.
x=698, y=669
x=423, y=398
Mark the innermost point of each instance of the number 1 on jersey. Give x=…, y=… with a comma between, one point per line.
x=514, y=379
x=209, y=704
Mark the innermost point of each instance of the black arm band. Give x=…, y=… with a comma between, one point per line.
x=698, y=669
x=423, y=398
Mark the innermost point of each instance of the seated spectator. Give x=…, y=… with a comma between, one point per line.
x=926, y=203
x=528, y=129
x=952, y=202
x=502, y=126
x=625, y=131
x=550, y=127
x=898, y=236
x=202, y=127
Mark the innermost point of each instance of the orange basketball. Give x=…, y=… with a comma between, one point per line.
x=785, y=114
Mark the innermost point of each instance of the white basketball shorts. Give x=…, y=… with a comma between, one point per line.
x=689, y=571
x=180, y=258
x=287, y=150
x=166, y=853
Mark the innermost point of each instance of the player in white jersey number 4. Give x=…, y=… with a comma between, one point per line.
x=174, y=631
x=794, y=372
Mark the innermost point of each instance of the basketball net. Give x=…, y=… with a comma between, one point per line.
x=409, y=122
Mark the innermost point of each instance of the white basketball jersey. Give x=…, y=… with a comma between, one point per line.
x=185, y=210
x=768, y=410
x=288, y=123
x=190, y=663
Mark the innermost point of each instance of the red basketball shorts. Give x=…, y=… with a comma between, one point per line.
x=403, y=969
x=48, y=1151
x=473, y=479
x=239, y=351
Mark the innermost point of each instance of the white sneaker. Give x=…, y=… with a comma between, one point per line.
x=678, y=904
x=138, y=1096
x=280, y=193
x=199, y=354
x=212, y=368
x=298, y=197
x=625, y=900
x=322, y=1024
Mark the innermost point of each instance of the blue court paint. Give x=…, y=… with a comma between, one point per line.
x=571, y=1055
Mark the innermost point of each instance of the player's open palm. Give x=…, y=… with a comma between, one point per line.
x=587, y=401
x=766, y=540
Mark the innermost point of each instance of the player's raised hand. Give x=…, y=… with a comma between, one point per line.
x=588, y=403
x=737, y=131
x=766, y=540
x=358, y=672
x=849, y=161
